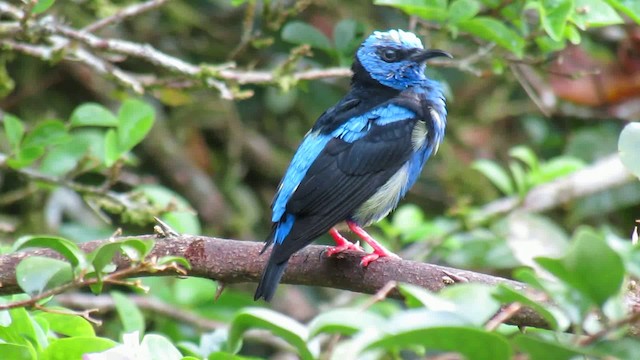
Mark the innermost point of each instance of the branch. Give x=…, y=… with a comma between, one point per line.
x=126, y=12
x=604, y=174
x=230, y=261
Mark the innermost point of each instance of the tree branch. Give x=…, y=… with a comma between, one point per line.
x=231, y=261
x=587, y=181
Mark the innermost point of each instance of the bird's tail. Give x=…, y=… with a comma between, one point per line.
x=270, y=279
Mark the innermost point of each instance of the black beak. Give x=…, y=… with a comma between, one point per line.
x=424, y=55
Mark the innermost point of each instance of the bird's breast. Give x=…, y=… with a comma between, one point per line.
x=385, y=198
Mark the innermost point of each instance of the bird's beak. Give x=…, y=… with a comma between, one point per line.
x=424, y=55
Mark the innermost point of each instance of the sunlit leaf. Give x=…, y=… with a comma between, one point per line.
x=496, y=31
x=343, y=321
x=36, y=274
x=42, y=6
x=128, y=313
x=629, y=147
x=298, y=32
x=135, y=121
x=631, y=8
x=281, y=325
x=67, y=324
x=472, y=343
x=461, y=10
x=92, y=114
x=426, y=9
x=76, y=347
x=497, y=175
x=14, y=129
x=48, y=132
x=64, y=247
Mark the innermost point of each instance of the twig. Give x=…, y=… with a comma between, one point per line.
x=588, y=340
x=604, y=174
x=232, y=261
x=86, y=314
x=126, y=12
x=114, y=197
x=503, y=316
x=112, y=278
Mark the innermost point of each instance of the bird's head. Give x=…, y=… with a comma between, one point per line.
x=395, y=58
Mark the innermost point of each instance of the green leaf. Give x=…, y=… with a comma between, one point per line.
x=526, y=155
x=165, y=260
x=183, y=219
x=103, y=255
x=555, y=168
x=344, y=321
x=17, y=352
x=631, y=8
x=24, y=330
x=497, y=175
x=280, y=325
x=36, y=274
x=416, y=296
x=554, y=15
x=65, y=157
x=26, y=156
x=14, y=129
x=298, y=32
x=629, y=147
x=494, y=30
x=67, y=324
x=92, y=114
x=476, y=344
x=76, y=347
x=160, y=348
x=426, y=9
x=345, y=35
x=42, y=6
x=135, y=120
x=111, y=148
x=594, y=13
x=194, y=291
x=64, y=247
x=474, y=302
x=590, y=266
x=461, y=10
x=539, y=349
x=506, y=294
x=137, y=249
x=128, y=312
x=48, y=132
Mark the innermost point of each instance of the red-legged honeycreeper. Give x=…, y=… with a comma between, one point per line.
x=362, y=155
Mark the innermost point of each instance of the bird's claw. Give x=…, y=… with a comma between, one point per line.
x=368, y=259
x=344, y=247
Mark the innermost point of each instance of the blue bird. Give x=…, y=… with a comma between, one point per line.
x=361, y=156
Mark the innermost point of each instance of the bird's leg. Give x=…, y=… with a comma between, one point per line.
x=342, y=244
x=378, y=250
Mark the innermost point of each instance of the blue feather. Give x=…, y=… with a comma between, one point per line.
x=307, y=152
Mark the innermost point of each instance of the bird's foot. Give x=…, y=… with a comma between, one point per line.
x=378, y=250
x=342, y=244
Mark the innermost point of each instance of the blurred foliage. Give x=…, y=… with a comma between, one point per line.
x=538, y=90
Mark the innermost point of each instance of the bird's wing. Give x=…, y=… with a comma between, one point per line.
x=342, y=177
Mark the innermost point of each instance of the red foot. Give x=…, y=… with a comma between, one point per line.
x=378, y=250
x=342, y=244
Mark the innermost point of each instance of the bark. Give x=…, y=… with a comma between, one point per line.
x=232, y=261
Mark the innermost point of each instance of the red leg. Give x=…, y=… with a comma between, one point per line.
x=342, y=244
x=378, y=250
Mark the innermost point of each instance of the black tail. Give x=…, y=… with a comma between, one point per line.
x=270, y=278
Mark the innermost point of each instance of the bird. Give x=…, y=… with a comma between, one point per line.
x=361, y=156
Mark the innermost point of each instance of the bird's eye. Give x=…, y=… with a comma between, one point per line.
x=389, y=55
